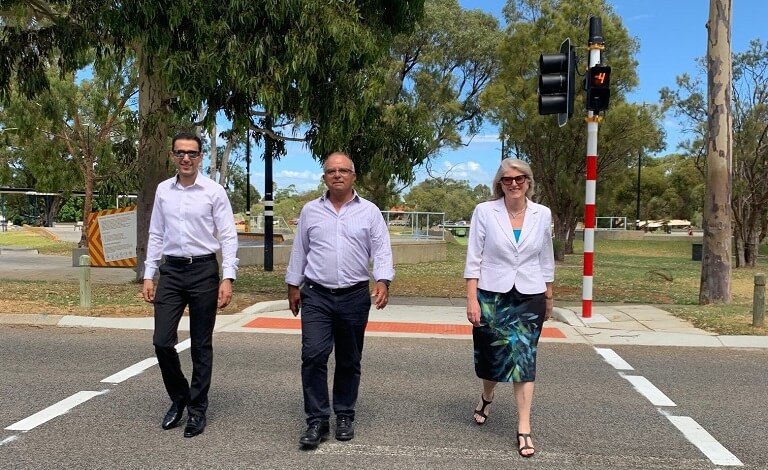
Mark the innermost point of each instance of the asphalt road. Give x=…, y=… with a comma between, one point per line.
x=414, y=410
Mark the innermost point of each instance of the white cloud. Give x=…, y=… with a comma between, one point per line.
x=301, y=175
x=484, y=139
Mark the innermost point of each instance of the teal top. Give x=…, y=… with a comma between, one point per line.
x=517, y=231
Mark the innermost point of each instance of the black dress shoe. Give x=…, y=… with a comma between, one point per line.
x=345, y=428
x=172, y=418
x=316, y=433
x=195, y=426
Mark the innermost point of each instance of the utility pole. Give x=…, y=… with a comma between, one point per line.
x=248, y=175
x=269, y=150
x=637, y=209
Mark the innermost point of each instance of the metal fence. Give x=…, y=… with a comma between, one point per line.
x=415, y=225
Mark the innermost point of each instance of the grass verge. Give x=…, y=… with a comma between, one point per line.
x=655, y=272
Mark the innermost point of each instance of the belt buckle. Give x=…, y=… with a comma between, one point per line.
x=189, y=259
x=333, y=291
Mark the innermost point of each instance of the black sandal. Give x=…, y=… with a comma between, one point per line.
x=525, y=445
x=481, y=412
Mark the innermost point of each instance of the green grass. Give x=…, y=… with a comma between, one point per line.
x=655, y=272
x=33, y=240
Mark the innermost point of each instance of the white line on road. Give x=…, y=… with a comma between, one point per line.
x=8, y=440
x=614, y=359
x=53, y=411
x=131, y=371
x=707, y=444
x=141, y=366
x=184, y=345
x=648, y=390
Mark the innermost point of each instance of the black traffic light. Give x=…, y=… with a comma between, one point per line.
x=557, y=74
x=598, y=88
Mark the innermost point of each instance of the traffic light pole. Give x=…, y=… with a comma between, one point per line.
x=596, y=45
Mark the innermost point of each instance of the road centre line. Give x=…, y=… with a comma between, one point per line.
x=614, y=359
x=131, y=371
x=141, y=366
x=707, y=444
x=54, y=410
x=648, y=390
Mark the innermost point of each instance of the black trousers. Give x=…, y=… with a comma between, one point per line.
x=329, y=319
x=194, y=285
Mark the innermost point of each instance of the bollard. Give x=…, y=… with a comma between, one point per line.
x=758, y=301
x=85, y=281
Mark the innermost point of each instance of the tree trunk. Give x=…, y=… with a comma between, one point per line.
x=214, y=152
x=224, y=165
x=89, y=179
x=715, y=284
x=153, y=163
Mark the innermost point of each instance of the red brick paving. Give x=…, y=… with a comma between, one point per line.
x=389, y=327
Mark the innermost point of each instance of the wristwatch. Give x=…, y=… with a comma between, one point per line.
x=385, y=281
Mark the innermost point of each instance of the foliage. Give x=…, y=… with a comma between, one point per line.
x=556, y=154
x=430, y=99
x=749, y=202
x=455, y=198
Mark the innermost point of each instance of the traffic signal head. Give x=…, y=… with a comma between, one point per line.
x=557, y=73
x=598, y=88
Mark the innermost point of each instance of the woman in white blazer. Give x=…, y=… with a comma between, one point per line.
x=509, y=271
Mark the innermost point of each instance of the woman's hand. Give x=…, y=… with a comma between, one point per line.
x=473, y=311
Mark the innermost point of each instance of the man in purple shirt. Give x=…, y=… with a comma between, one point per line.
x=327, y=276
x=191, y=220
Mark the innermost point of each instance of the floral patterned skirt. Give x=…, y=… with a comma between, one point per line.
x=508, y=335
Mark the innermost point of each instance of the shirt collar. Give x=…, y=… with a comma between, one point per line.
x=355, y=196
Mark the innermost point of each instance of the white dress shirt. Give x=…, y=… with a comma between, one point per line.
x=192, y=221
x=334, y=249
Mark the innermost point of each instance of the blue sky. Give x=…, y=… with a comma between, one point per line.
x=672, y=35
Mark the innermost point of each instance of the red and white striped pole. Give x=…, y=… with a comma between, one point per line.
x=596, y=44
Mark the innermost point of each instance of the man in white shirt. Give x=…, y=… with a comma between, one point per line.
x=191, y=221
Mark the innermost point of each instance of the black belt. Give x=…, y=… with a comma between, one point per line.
x=189, y=259
x=341, y=290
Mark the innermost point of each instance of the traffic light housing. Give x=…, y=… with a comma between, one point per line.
x=598, y=88
x=557, y=78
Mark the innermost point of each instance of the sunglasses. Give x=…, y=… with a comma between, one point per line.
x=519, y=179
x=192, y=154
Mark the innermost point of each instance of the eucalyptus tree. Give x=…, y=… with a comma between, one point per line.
x=557, y=155
x=430, y=99
x=749, y=199
x=305, y=59
x=79, y=134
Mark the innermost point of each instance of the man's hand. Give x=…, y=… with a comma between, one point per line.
x=380, y=294
x=294, y=299
x=225, y=293
x=148, y=290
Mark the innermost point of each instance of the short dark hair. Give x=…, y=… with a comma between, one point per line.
x=187, y=136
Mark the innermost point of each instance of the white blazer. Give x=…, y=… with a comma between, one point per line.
x=498, y=262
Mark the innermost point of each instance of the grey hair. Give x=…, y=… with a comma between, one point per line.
x=513, y=164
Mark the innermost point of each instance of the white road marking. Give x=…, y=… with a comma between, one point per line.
x=8, y=440
x=53, y=411
x=614, y=359
x=707, y=444
x=131, y=371
x=184, y=345
x=648, y=390
x=141, y=366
